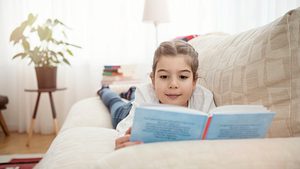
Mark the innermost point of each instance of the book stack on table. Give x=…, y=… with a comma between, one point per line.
x=121, y=74
x=111, y=73
x=112, y=70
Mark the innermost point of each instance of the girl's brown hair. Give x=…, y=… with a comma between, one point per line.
x=175, y=48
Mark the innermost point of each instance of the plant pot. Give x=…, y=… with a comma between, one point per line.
x=46, y=77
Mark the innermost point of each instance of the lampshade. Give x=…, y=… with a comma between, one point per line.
x=156, y=11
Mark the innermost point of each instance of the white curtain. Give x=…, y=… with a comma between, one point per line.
x=110, y=32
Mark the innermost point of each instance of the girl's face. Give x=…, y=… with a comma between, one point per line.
x=173, y=80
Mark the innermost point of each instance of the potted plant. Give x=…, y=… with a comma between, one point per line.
x=45, y=47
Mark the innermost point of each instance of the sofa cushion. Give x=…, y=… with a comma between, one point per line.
x=275, y=153
x=79, y=148
x=259, y=66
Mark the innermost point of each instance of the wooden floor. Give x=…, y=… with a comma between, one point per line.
x=16, y=143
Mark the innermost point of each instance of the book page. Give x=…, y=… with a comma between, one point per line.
x=161, y=124
x=237, y=126
x=171, y=108
x=234, y=109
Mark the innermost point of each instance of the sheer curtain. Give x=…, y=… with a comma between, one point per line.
x=110, y=32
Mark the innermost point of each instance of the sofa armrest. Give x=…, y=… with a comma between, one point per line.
x=234, y=154
x=90, y=112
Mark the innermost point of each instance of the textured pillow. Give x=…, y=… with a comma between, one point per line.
x=259, y=66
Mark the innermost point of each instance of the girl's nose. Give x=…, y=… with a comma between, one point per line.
x=173, y=84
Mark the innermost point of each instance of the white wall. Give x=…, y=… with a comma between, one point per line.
x=110, y=32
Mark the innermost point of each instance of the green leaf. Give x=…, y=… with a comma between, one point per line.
x=56, y=21
x=34, y=55
x=61, y=54
x=17, y=33
x=69, y=44
x=70, y=52
x=41, y=33
x=25, y=54
x=55, y=60
x=53, y=53
x=56, y=42
x=19, y=55
x=44, y=33
x=25, y=44
x=31, y=19
x=66, y=61
x=49, y=33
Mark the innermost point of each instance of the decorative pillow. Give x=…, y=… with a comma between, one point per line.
x=259, y=66
x=186, y=38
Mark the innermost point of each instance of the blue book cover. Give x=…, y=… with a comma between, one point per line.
x=167, y=123
x=157, y=123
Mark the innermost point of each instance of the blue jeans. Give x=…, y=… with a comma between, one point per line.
x=118, y=108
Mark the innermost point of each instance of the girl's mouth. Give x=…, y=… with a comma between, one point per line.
x=173, y=96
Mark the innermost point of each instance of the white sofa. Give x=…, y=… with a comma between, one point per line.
x=261, y=66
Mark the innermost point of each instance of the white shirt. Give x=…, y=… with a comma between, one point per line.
x=201, y=99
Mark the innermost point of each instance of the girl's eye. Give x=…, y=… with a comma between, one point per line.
x=163, y=76
x=183, y=77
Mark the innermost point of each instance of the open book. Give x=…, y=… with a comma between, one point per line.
x=153, y=123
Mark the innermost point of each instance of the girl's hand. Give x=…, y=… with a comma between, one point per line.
x=124, y=141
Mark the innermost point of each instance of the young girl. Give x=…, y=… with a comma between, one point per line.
x=174, y=76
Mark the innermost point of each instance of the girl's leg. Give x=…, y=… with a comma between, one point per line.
x=116, y=106
x=130, y=94
x=120, y=113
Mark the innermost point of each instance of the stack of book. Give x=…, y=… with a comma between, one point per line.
x=111, y=73
x=112, y=70
x=124, y=74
